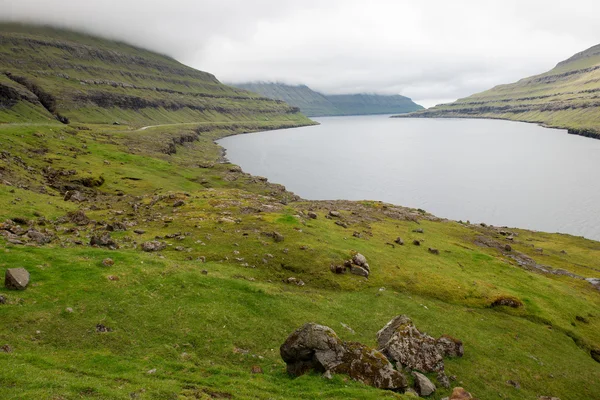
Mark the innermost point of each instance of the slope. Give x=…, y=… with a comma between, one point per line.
x=564, y=97
x=315, y=104
x=48, y=73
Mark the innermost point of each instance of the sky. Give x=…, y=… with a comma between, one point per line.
x=432, y=51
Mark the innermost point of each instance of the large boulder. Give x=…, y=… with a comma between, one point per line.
x=16, y=278
x=317, y=347
x=403, y=343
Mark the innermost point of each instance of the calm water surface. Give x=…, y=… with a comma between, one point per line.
x=498, y=172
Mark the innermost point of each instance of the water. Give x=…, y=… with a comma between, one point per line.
x=499, y=172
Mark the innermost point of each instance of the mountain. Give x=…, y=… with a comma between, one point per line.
x=48, y=74
x=315, y=104
x=158, y=270
x=568, y=97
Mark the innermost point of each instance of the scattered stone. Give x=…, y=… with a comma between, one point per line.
x=2, y=299
x=514, y=384
x=278, y=237
x=256, y=369
x=78, y=218
x=342, y=224
x=317, y=347
x=102, y=328
x=399, y=241
x=294, y=281
x=595, y=282
x=204, y=272
x=508, y=247
x=419, y=230
x=356, y=270
x=359, y=260
x=116, y=226
x=6, y=348
x=335, y=214
x=423, y=385
x=337, y=269
x=39, y=237
x=103, y=241
x=108, y=262
x=417, y=242
x=74, y=195
x=69, y=310
x=16, y=278
x=153, y=245
x=312, y=215
x=459, y=393
x=113, y=278
x=139, y=231
x=151, y=372
x=434, y=251
x=179, y=203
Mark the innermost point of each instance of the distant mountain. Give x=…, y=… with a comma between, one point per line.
x=568, y=96
x=316, y=104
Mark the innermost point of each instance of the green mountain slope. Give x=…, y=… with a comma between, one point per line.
x=564, y=97
x=104, y=319
x=315, y=104
x=48, y=73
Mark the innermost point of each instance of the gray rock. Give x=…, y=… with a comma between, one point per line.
x=74, y=195
x=449, y=346
x=423, y=385
x=16, y=278
x=103, y=241
x=399, y=241
x=39, y=237
x=595, y=282
x=78, y=218
x=317, y=347
x=278, y=237
x=153, y=245
x=359, y=259
x=2, y=299
x=356, y=270
x=312, y=215
x=335, y=214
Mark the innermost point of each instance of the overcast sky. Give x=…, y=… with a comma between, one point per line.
x=432, y=51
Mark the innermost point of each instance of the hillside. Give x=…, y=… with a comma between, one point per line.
x=158, y=270
x=315, y=104
x=48, y=74
x=564, y=97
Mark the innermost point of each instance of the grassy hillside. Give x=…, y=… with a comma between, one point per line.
x=564, y=97
x=315, y=104
x=48, y=74
x=192, y=320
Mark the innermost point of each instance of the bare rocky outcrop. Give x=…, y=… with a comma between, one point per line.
x=317, y=347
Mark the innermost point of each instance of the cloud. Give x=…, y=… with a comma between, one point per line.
x=425, y=50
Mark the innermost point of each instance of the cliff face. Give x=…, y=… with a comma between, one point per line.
x=568, y=96
x=316, y=104
x=48, y=74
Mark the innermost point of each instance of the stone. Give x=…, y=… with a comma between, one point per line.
x=595, y=282
x=39, y=237
x=2, y=299
x=179, y=203
x=507, y=302
x=548, y=398
x=102, y=328
x=337, y=269
x=360, y=271
x=514, y=384
x=419, y=230
x=69, y=310
x=359, y=259
x=449, y=346
x=459, y=393
x=317, y=347
x=16, y=278
x=74, y=195
x=335, y=214
x=433, y=251
x=103, y=241
x=399, y=241
x=417, y=242
x=327, y=375
x=108, y=262
x=256, y=369
x=78, y=218
x=411, y=392
x=508, y=247
x=6, y=349
x=312, y=215
x=153, y=245
x=422, y=384
x=278, y=237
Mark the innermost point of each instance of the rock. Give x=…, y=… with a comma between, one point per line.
x=312, y=215
x=514, y=384
x=317, y=347
x=507, y=301
x=69, y=310
x=139, y=231
x=6, y=349
x=78, y=218
x=74, y=195
x=116, y=226
x=342, y=224
x=2, y=299
x=399, y=241
x=411, y=392
x=449, y=346
x=102, y=328
x=108, y=262
x=153, y=245
x=327, y=375
x=179, y=203
x=433, y=251
x=595, y=353
x=442, y=379
x=419, y=230
x=595, y=282
x=359, y=259
x=356, y=270
x=337, y=269
x=423, y=385
x=204, y=272
x=278, y=237
x=151, y=371
x=459, y=393
x=112, y=278
x=39, y=237
x=103, y=241
x=256, y=369
x=417, y=242
x=335, y=214
x=508, y=247
x=402, y=342
x=16, y=278
x=548, y=398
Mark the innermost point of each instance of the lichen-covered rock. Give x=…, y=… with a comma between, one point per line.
x=450, y=347
x=78, y=218
x=356, y=270
x=103, y=241
x=153, y=245
x=459, y=393
x=359, y=259
x=16, y=278
x=317, y=347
